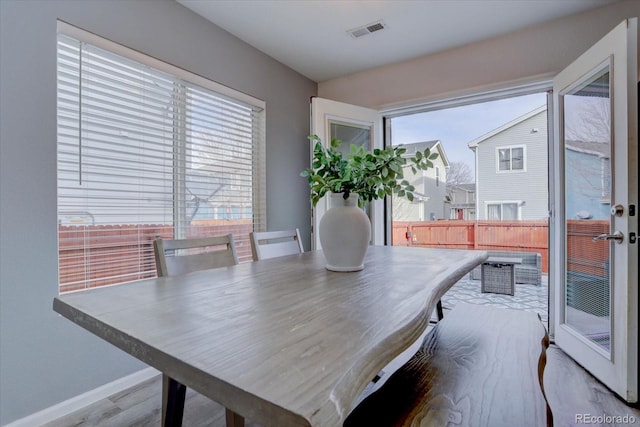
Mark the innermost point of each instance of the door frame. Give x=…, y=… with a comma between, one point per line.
x=322, y=111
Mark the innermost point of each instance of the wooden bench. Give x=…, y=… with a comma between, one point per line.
x=480, y=366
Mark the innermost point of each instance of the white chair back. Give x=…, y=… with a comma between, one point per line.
x=271, y=244
x=174, y=257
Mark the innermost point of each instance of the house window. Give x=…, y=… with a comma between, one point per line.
x=147, y=150
x=437, y=170
x=511, y=158
x=503, y=211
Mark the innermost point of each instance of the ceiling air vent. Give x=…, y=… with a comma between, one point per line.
x=366, y=29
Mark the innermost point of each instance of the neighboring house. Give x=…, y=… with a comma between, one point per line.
x=431, y=189
x=588, y=174
x=462, y=201
x=511, y=169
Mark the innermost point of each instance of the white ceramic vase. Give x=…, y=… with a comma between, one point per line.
x=345, y=232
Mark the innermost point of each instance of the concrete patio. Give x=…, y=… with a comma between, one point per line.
x=526, y=297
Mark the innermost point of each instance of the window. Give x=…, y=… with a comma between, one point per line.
x=437, y=169
x=511, y=159
x=147, y=150
x=503, y=211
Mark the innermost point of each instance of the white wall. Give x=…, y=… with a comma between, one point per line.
x=45, y=359
x=523, y=56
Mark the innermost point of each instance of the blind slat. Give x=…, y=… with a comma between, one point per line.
x=145, y=154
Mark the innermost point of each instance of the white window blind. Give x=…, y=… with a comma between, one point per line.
x=503, y=211
x=510, y=211
x=494, y=212
x=143, y=153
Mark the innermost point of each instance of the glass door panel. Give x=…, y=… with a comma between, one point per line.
x=351, y=133
x=587, y=169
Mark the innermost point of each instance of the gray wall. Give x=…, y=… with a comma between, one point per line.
x=45, y=359
x=530, y=54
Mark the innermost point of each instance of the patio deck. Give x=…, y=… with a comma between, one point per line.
x=526, y=297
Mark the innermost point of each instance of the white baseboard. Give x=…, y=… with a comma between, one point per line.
x=78, y=402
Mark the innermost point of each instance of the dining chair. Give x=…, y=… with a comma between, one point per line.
x=175, y=257
x=271, y=244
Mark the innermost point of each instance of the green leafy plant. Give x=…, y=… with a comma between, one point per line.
x=373, y=175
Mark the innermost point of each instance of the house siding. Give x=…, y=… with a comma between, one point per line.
x=430, y=210
x=462, y=199
x=425, y=183
x=529, y=186
x=584, y=179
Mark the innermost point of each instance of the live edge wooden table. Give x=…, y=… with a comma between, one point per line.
x=282, y=342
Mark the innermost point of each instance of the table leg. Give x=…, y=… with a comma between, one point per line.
x=233, y=419
x=173, y=395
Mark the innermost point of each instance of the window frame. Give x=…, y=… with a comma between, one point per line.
x=511, y=148
x=501, y=203
x=181, y=143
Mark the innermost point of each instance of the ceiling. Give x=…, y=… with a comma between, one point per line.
x=311, y=36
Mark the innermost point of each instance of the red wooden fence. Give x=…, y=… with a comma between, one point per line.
x=522, y=236
x=583, y=254
x=101, y=255
x=98, y=255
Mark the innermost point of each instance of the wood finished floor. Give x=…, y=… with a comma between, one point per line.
x=570, y=390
